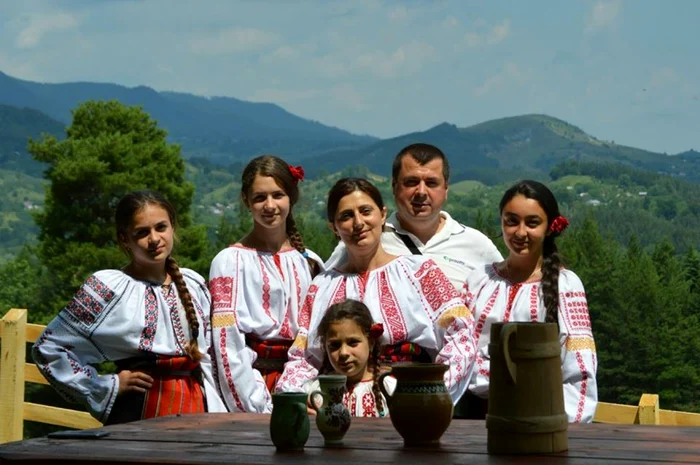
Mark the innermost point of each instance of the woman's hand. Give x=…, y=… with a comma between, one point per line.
x=134, y=381
x=309, y=409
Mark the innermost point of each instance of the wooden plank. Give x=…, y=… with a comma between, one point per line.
x=676, y=418
x=33, y=375
x=59, y=416
x=649, y=409
x=13, y=350
x=34, y=331
x=616, y=413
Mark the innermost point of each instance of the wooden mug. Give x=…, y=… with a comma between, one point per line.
x=526, y=413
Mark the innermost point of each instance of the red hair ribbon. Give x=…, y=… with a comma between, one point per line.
x=297, y=173
x=559, y=224
x=376, y=330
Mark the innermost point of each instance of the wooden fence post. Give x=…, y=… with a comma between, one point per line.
x=13, y=352
x=649, y=409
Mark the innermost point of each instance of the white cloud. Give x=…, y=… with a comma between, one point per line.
x=604, y=14
x=347, y=97
x=285, y=53
x=406, y=59
x=233, y=40
x=398, y=14
x=494, y=36
x=511, y=75
x=450, y=22
x=663, y=77
x=41, y=25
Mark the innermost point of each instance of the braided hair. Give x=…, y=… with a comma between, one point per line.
x=128, y=207
x=358, y=312
x=551, y=259
x=278, y=169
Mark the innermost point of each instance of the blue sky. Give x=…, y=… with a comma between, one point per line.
x=621, y=70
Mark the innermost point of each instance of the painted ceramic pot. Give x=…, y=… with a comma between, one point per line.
x=332, y=417
x=289, y=422
x=420, y=407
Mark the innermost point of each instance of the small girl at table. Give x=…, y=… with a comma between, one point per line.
x=349, y=338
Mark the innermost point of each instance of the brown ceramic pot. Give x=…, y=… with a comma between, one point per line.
x=420, y=407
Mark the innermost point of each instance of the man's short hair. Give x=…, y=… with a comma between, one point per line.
x=422, y=153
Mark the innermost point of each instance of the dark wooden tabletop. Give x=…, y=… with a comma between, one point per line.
x=215, y=438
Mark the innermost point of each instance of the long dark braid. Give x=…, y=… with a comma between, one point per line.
x=551, y=259
x=298, y=243
x=375, y=361
x=551, y=264
x=173, y=270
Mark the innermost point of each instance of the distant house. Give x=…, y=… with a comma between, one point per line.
x=593, y=202
x=642, y=194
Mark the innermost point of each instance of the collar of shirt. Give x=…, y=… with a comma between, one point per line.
x=450, y=228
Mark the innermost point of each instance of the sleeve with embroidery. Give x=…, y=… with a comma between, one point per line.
x=301, y=367
x=579, y=361
x=241, y=386
x=64, y=351
x=453, y=325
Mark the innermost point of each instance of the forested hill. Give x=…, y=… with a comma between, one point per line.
x=219, y=128
x=511, y=148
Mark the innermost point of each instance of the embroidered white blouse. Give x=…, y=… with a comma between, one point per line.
x=494, y=298
x=257, y=293
x=114, y=317
x=416, y=303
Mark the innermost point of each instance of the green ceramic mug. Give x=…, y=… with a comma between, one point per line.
x=289, y=422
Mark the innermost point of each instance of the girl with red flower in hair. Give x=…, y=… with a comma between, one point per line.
x=532, y=285
x=350, y=341
x=258, y=286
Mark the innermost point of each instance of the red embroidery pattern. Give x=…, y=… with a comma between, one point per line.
x=340, y=293
x=227, y=369
x=512, y=293
x=584, y=387
x=84, y=307
x=266, y=291
x=100, y=288
x=203, y=320
x=221, y=290
x=369, y=406
x=484, y=315
x=285, y=331
x=172, y=300
x=298, y=286
x=151, y=320
x=305, y=314
x=391, y=314
x=533, y=303
x=435, y=286
x=575, y=311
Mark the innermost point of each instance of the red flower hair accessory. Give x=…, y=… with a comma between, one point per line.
x=559, y=224
x=297, y=173
x=376, y=330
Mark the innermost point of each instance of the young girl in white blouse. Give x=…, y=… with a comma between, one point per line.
x=350, y=341
x=532, y=285
x=258, y=286
x=151, y=318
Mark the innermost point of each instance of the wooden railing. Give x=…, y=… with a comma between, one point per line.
x=14, y=372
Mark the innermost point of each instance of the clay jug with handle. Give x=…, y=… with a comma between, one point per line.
x=332, y=416
x=420, y=407
x=526, y=412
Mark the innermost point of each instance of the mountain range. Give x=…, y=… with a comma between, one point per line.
x=225, y=130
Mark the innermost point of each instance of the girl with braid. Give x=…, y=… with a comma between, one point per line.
x=258, y=286
x=151, y=318
x=532, y=285
x=350, y=341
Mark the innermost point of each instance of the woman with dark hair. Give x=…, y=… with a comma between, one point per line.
x=151, y=318
x=423, y=316
x=258, y=286
x=532, y=285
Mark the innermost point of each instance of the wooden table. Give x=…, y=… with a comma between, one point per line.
x=215, y=438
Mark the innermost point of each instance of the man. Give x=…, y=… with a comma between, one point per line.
x=419, y=180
